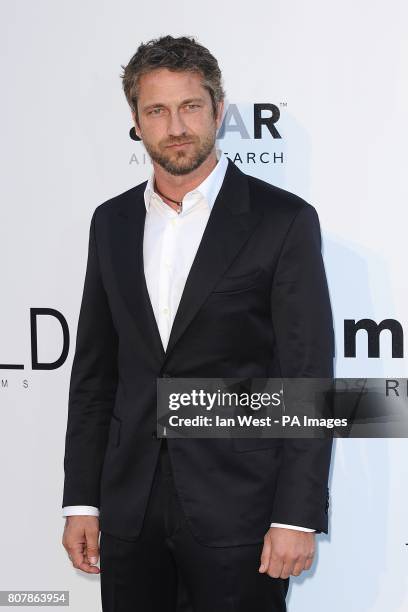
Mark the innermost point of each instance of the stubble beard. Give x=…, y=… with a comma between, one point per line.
x=179, y=163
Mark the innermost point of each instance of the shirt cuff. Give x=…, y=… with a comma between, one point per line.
x=293, y=527
x=77, y=510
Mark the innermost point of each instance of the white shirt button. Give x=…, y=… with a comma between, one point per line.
x=165, y=310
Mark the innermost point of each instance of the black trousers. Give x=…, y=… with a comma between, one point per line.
x=167, y=570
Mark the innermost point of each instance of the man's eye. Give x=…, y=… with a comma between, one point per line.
x=155, y=111
x=193, y=106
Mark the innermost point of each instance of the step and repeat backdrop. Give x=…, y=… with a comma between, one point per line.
x=317, y=98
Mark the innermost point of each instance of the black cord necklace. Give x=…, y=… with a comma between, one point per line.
x=179, y=204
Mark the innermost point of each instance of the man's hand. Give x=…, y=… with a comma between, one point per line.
x=287, y=552
x=80, y=540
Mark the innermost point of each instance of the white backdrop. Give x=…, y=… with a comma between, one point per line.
x=337, y=71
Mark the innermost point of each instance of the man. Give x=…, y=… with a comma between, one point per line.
x=201, y=271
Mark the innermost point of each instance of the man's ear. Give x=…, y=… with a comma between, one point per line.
x=137, y=128
x=220, y=113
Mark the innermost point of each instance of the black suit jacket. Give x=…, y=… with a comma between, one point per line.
x=255, y=304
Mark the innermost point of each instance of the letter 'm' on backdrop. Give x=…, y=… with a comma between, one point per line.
x=317, y=98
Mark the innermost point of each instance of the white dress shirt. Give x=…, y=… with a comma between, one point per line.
x=170, y=243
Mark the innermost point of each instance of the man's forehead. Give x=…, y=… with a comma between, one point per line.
x=164, y=80
x=162, y=73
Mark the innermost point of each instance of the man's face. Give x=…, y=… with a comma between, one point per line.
x=176, y=121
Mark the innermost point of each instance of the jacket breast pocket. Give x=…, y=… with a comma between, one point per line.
x=114, y=431
x=234, y=284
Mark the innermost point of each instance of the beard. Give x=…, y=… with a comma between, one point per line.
x=181, y=162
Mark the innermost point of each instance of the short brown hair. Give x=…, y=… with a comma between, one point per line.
x=178, y=54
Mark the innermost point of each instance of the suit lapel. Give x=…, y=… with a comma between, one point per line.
x=127, y=252
x=229, y=226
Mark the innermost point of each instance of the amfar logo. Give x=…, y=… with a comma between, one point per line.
x=261, y=126
x=351, y=327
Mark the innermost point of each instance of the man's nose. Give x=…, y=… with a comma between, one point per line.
x=176, y=126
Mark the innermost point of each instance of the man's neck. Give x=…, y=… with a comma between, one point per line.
x=176, y=187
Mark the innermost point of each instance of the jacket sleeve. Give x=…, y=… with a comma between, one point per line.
x=92, y=388
x=303, y=326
